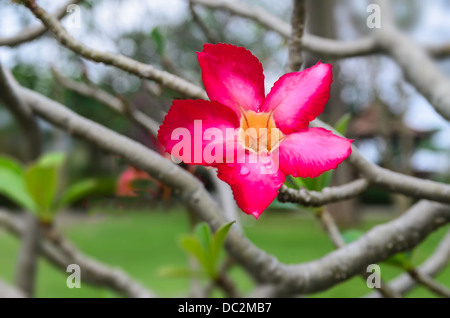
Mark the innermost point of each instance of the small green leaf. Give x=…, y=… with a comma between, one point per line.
x=159, y=41
x=11, y=164
x=192, y=245
x=341, y=125
x=12, y=186
x=219, y=240
x=52, y=159
x=78, y=191
x=41, y=180
x=315, y=184
x=402, y=260
x=205, y=237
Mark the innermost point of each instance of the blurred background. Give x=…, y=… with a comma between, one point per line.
x=130, y=220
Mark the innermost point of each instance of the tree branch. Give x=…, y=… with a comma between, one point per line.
x=122, y=62
x=392, y=181
x=27, y=260
x=309, y=42
x=108, y=100
x=31, y=33
x=61, y=253
x=327, y=221
x=429, y=283
x=8, y=291
x=377, y=245
x=21, y=112
x=28, y=256
x=210, y=37
x=295, y=59
x=324, y=197
x=416, y=64
x=431, y=267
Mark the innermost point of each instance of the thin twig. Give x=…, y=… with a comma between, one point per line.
x=122, y=62
x=429, y=283
x=21, y=112
x=109, y=100
x=327, y=221
x=32, y=33
x=210, y=37
x=58, y=251
x=379, y=244
x=295, y=59
x=326, y=196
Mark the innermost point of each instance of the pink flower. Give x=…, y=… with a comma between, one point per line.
x=280, y=142
x=125, y=185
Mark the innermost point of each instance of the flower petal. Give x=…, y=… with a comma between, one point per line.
x=312, y=151
x=124, y=186
x=188, y=125
x=232, y=76
x=299, y=97
x=255, y=182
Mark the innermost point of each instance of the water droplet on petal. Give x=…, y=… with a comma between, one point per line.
x=244, y=171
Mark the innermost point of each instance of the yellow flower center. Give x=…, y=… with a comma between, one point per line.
x=259, y=132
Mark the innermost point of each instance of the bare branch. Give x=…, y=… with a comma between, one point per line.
x=109, y=100
x=418, y=67
x=28, y=256
x=61, y=253
x=327, y=221
x=391, y=238
x=431, y=267
x=309, y=42
x=393, y=181
x=314, y=44
x=210, y=37
x=27, y=260
x=429, y=283
x=21, y=112
x=326, y=196
x=8, y=291
x=377, y=245
x=122, y=62
x=295, y=59
x=31, y=33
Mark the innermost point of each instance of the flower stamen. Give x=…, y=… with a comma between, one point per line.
x=258, y=132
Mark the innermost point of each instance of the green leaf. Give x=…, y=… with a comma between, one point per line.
x=52, y=159
x=41, y=180
x=12, y=186
x=205, y=237
x=159, y=41
x=11, y=164
x=402, y=260
x=341, y=125
x=78, y=191
x=191, y=244
x=175, y=272
x=218, y=241
x=315, y=184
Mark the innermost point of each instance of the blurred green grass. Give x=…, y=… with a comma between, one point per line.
x=143, y=242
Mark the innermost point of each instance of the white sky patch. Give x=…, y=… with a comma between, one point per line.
x=426, y=160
